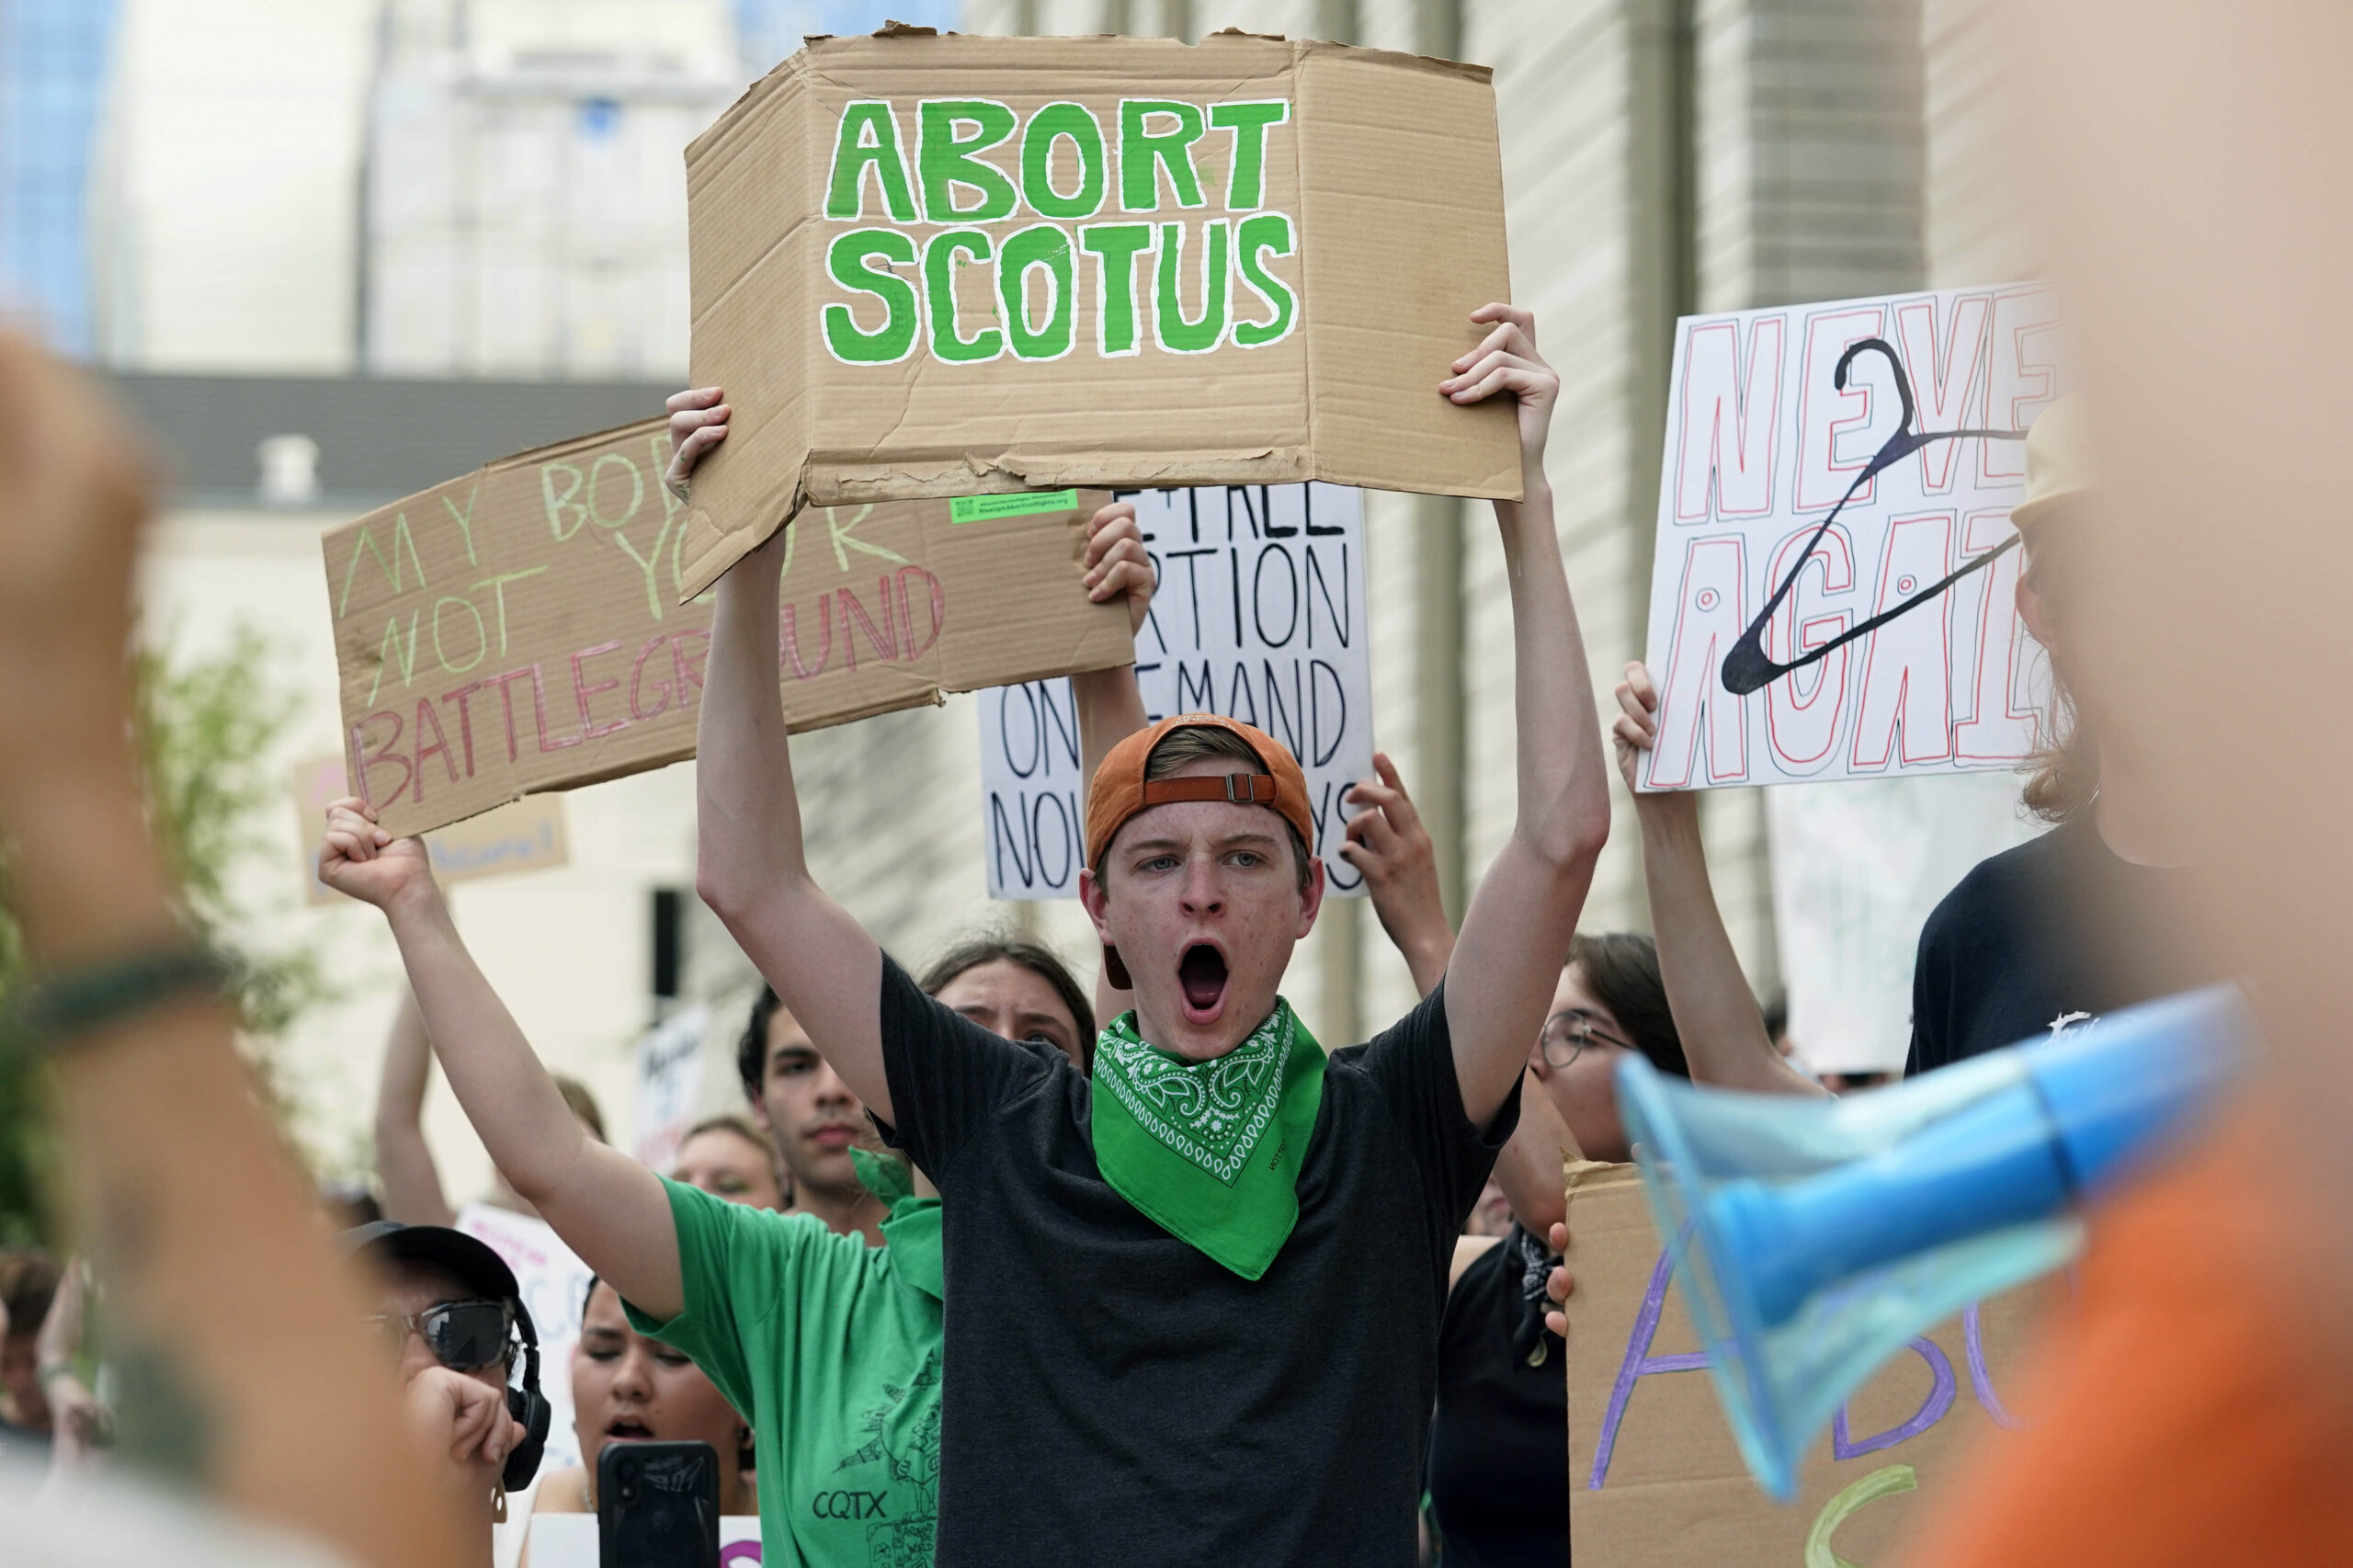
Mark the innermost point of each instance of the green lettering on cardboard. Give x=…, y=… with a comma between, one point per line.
x=1040, y=245
x=1141, y=152
x=390, y=648
x=568, y=502
x=1169, y=327
x=1020, y=503
x=848, y=260
x=1115, y=247
x=940, y=265
x=657, y=448
x=481, y=636
x=497, y=585
x=842, y=536
x=854, y=154
x=1879, y=1483
x=390, y=567
x=1074, y=121
x=1253, y=237
x=465, y=520
x=1245, y=180
x=944, y=160
x=636, y=490
x=651, y=558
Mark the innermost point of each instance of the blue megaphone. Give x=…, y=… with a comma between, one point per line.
x=1814, y=1237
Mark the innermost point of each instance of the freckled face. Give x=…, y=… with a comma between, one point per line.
x=1203, y=900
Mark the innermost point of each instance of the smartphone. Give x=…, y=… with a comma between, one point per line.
x=657, y=1505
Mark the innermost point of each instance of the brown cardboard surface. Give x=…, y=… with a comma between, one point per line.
x=1386, y=175
x=1673, y=1493
x=518, y=630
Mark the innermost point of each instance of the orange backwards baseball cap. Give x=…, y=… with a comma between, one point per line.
x=1119, y=791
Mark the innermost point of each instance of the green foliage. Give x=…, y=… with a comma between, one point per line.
x=209, y=726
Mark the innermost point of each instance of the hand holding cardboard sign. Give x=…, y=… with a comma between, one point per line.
x=698, y=422
x=1117, y=563
x=1559, y=1283
x=1506, y=361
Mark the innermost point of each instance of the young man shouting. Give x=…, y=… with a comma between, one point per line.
x=1192, y=1305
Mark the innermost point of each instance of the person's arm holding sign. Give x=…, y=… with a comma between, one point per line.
x=753, y=871
x=1508, y=959
x=1724, y=1034
x=611, y=1210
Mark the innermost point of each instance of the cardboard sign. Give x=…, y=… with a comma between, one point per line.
x=940, y=265
x=518, y=630
x=1654, y=1479
x=569, y=1540
x=554, y=1283
x=524, y=835
x=1259, y=616
x=1815, y=483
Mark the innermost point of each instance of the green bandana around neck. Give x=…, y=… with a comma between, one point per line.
x=912, y=1228
x=1209, y=1151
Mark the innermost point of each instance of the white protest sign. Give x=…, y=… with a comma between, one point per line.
x=554, y=1283
x=1259, y=616
x=1814, y=484
x=1856, y=872
x=569, y=1540
x=669, y=1084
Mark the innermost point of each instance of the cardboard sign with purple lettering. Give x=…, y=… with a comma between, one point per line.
x=1834, y=593
x=518, y=630
x=1654, y=1479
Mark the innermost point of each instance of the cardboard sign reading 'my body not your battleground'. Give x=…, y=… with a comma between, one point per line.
x=519, y=629
x=943, y=266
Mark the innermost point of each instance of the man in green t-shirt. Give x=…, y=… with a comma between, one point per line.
x=830, y=1347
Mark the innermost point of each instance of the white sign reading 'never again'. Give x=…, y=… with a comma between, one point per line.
x=1259, y=616
x=1830, y=468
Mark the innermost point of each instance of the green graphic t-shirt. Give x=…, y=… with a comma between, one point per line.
x=832, y=1351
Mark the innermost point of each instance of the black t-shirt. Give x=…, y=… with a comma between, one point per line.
x=1499, y=1447
x=1114, y=1399
x=2040, y=939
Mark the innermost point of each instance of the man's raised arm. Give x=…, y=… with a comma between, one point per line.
x=606, y=1206
x=1516, y=930
x=751, y=864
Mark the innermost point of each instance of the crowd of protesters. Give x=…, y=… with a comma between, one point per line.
x=1061, y=1275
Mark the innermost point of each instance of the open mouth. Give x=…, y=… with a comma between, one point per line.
x=1201, y=974
x=625, y=1429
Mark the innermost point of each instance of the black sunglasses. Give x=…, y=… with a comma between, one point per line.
x=464, y=1336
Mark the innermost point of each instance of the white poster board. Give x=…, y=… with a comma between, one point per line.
x=669, y=1084
x=555, y=1286
x=1856, y=872
x=569, y=1540
x=1259, y=616
x=1764, y=447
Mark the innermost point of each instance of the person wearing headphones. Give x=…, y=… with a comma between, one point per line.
x=451, y=1318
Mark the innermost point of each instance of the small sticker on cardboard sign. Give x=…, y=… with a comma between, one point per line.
x=984, y=509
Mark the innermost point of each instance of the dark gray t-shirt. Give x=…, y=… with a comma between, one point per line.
x=1113, y=1398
